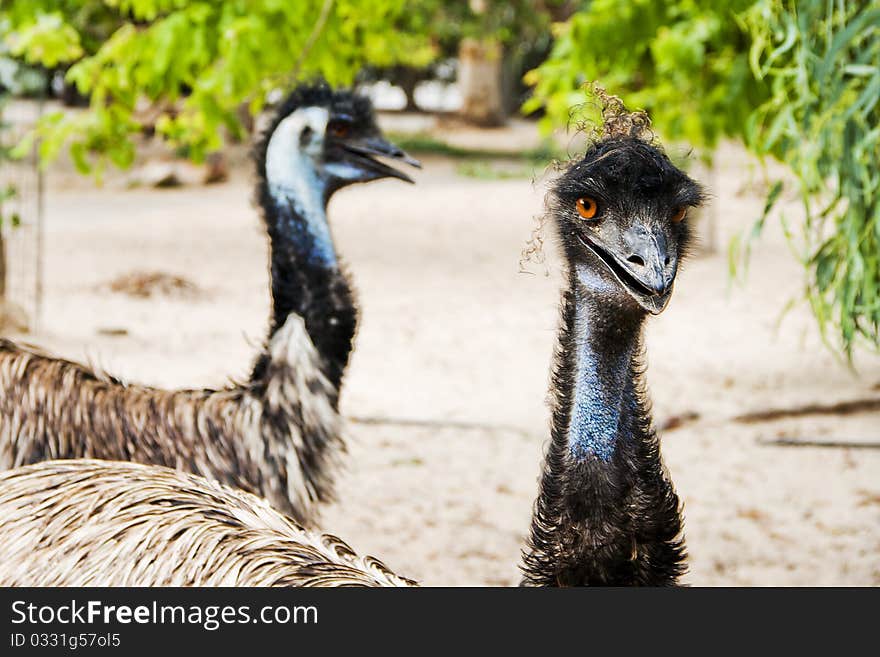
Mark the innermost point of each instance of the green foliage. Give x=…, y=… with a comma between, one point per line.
x=13, y=218
x=506, y=21
x=798, y=80
x=16, y=77
x=685, y=62
x=822, y=62
x=46, y=40
x=188, y=65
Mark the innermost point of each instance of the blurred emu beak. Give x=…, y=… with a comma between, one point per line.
x=362, y=153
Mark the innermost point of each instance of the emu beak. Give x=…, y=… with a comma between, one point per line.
x=645, y=267
x=362, y=153
x=652, y=265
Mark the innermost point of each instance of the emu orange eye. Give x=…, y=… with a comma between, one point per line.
x=338, y=129
x=680, y=214
x=586, y=207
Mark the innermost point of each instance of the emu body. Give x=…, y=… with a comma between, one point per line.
x=278, y=434
x=94, y=523
x=279, y=439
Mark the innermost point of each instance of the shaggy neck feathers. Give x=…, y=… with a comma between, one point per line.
x=278, y=434
x=280, y=439
x=99, y=523
x=606, y=513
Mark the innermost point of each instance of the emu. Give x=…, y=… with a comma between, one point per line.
x=277, y=434
x=606, y=514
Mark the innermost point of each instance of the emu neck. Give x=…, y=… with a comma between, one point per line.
x=301, y=252
x=306, y=276
x=602, y=350
x=606, y=513
x=300, y=214
x=586, y=518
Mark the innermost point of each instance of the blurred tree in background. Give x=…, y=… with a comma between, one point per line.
x=685, y=62
x=186, y=66
x=504, y=34
x=798, y=80
x=494, y=42
x=16, y=80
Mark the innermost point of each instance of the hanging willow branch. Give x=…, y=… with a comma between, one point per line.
x=822, y=63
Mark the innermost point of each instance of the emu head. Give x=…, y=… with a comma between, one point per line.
x=325, y=139
x=622, y=216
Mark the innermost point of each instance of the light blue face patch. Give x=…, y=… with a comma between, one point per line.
x=595, y=282
x=600, y=381
x=344, y=171
x=294, y=183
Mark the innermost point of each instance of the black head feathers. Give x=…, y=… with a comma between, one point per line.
x=625, y=159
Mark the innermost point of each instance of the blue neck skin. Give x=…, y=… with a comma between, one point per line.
x=603, y=356
x=302, y=219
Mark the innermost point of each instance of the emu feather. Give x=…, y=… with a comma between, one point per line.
x=282, y=440
x=95, y=523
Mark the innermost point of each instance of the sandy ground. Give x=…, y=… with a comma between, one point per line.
x=447, y=386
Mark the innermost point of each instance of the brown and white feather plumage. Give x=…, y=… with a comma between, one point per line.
x=97, y=523
x=279, y=439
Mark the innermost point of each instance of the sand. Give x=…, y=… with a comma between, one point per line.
x=446, y=390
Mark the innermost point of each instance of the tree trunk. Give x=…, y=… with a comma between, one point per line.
x=479, y=80
x=407, y=78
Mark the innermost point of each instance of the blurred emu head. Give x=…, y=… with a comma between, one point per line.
x=328, y=138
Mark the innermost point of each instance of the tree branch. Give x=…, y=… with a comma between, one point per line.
x=313, y=38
